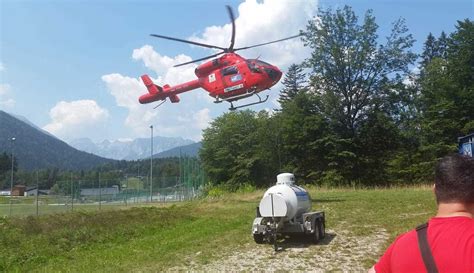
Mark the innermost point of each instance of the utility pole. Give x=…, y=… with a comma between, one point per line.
x=11, y=180
x=151, y=166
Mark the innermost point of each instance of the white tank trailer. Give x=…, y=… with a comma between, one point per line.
x=283, y=211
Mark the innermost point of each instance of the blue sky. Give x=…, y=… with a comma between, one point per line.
x=72, y=67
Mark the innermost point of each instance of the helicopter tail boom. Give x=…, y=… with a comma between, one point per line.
x=156, y=92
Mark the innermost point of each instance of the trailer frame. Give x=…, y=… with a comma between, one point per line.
x=266, y=229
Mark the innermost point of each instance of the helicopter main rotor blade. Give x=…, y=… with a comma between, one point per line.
x=202, y=59
x=188, y=42
x=232, y=19
x=276, y=41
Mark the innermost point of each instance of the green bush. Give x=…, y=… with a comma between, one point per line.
x=246, y=188
x=332, y=178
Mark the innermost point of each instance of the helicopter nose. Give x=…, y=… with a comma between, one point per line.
x=273, y=73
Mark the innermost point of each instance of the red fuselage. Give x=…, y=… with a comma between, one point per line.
x=229, y=78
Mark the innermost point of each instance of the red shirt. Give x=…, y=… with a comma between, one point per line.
x=451, y=240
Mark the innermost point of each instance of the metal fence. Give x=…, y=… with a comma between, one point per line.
x=76, y=195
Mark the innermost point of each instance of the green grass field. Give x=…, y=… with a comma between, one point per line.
x=25, y=206
x=190, y=233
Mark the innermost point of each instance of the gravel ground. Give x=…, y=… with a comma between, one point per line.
x=339, y=251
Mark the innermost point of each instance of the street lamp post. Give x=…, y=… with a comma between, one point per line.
x=11, y=179
x=151, y=166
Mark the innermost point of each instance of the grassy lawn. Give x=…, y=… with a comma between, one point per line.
x=23, y=210
x=156, y=238
x=25, y=206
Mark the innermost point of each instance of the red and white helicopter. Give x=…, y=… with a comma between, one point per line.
x=227, y=78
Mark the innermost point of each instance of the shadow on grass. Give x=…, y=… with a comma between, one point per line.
x=331, y=200
x=301, y=241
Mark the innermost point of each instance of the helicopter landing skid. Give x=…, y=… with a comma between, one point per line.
x=232, y=107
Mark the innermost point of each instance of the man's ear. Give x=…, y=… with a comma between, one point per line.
x=434, y=193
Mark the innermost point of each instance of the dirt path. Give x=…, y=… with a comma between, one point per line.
x=339, y=251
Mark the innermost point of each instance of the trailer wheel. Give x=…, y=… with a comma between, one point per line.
x=322, y=228
x=315, y=236
x=258, y=238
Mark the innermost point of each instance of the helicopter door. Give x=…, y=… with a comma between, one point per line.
x=232, y=79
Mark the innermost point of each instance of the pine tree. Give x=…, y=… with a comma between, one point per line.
x=442, y=45
x=293, y=82
x=430, y=50
x=447, y=93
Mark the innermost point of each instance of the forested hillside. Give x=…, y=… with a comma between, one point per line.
x=33, y=149
x=191, y=150
x=50, y=161
x=360, y=110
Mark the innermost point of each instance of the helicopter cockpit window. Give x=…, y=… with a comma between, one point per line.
x=253, y=67
x=262, y=63
x=230, y=70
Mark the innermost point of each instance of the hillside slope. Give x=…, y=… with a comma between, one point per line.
x=191, y=150
x=34, y=149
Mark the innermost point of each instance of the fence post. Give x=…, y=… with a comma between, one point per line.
x=100, y=193
x=126, y=193
x=79, y=192
x=72, y=194
x=37, y=193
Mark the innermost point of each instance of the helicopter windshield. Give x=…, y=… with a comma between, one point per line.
x=261, y=63
x=253, y=66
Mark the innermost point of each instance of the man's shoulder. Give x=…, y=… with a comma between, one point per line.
x=458, y=224
x=465, y=223
x=407, y=237
x=463, y=220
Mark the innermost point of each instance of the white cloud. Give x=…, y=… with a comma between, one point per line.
x=409, y=79
x=126, y=91
x=5, y=98
x=202, y=118
x=260, y=22
x=163, y=65
x=70, y=119
x=2, y=67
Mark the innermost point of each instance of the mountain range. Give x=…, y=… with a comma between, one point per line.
x=35, y=149
x=129, y=149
